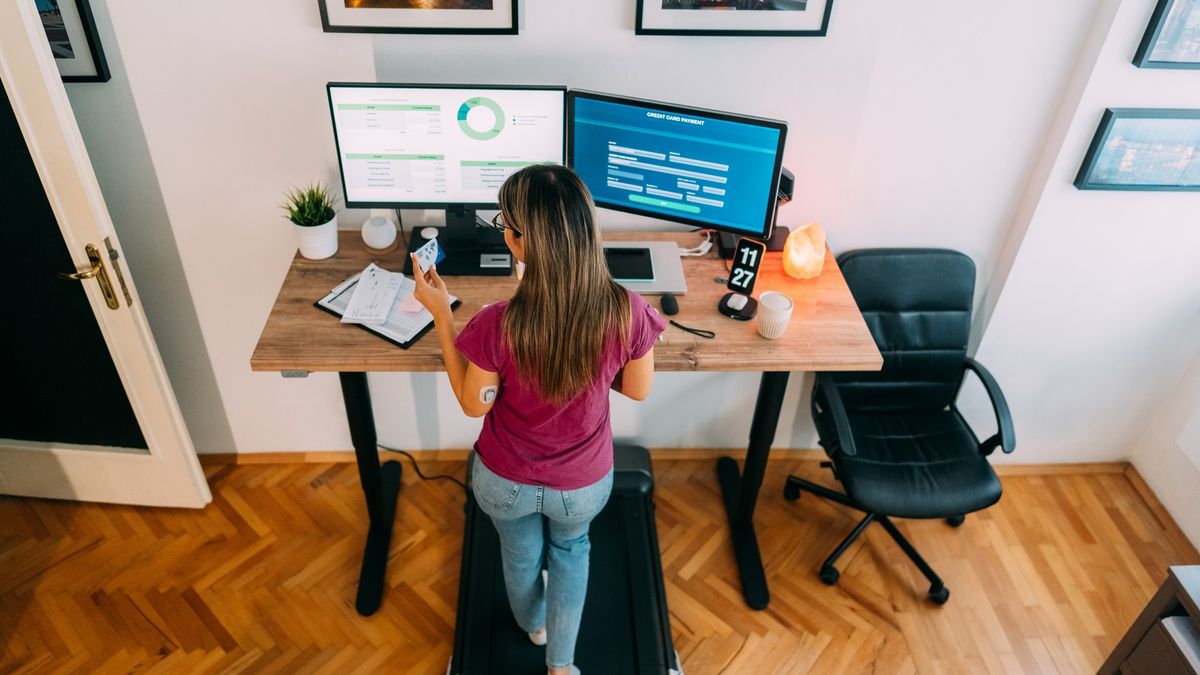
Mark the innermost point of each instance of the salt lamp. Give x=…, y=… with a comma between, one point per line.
x=804, y=251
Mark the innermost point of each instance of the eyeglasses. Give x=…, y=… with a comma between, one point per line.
x=500, y=225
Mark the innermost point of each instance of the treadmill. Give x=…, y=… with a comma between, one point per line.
x=625, y=626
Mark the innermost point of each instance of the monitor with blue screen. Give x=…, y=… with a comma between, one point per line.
x=699, y=167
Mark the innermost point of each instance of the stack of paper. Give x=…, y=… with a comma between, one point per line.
x=382, y=302
x=374, y=296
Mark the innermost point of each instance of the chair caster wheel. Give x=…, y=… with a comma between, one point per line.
x=938, y=595
x=791, y=491
x=955, y=521
x=829, y=575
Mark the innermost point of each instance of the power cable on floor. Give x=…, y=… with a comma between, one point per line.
x=417, y=468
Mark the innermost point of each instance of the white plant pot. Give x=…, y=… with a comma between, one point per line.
x=318, y=242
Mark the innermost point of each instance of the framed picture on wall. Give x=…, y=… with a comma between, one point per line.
x=733, y=17
x=1172, y=39
x=1143, y=149
x=481, y=17
x=74, y=42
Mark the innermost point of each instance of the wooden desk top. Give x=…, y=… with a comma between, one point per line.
x=827, y=331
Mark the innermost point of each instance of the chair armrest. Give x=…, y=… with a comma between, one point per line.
x=1005, y=437
x=838, y=409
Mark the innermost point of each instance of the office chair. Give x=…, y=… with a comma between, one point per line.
x=894, y=438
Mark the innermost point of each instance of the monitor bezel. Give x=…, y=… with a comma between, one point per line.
x=399, y=85
x=779, y=125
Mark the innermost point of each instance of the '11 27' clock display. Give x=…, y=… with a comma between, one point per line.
x=747, y=258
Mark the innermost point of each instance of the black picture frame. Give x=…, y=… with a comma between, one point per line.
x=79, y=20
x=511, y=28
x=1154, y=31
x=640, y=27
x=1090, y=176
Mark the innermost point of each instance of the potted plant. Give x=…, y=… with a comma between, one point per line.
x=311, y=211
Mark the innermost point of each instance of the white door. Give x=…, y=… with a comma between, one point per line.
x=87, y=411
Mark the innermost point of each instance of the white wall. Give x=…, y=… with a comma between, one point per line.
x=232, y=107
x=112, y=131
x=910, y=124
x=897, y=138
x=1168, y=456
x=1104, y=285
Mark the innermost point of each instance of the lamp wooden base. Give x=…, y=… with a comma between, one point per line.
x=382, y=251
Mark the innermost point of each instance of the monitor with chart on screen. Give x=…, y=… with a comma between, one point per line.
x=446, y=147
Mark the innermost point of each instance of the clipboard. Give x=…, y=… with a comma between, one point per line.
x=401, y=328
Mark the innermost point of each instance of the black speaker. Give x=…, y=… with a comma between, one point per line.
x=787, y=185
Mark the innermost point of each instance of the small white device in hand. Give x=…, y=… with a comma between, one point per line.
x=429, y=255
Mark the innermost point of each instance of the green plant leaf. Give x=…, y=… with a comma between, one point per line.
x=308, y=206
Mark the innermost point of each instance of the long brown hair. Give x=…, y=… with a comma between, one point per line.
x=567, y=305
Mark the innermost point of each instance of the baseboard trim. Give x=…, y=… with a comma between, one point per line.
x=340, y=456
x=657, y=454
x=1053, y=469
x=1175, y=534
x=324, y=457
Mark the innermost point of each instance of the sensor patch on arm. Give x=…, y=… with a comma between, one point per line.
x=488, y=394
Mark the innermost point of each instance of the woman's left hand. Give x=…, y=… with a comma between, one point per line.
x=431, y=291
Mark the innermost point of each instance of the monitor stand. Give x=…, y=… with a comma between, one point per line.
x=727, y=242
x=471, y=248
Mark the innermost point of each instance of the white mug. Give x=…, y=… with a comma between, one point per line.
x=774, y=313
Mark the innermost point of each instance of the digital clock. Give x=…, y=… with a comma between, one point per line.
x=747, y=258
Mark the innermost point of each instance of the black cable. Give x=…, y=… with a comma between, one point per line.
x=417, y=468
x=707, y=334
x=400, y=226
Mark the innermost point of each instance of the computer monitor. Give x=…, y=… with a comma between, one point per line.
x=700, y=167
x=431, y=146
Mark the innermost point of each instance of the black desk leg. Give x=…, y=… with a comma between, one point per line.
x=741, y=492
x=380, y=486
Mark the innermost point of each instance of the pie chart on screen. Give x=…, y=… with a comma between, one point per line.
x=481, y=118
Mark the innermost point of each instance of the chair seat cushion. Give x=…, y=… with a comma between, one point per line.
x=923, y=464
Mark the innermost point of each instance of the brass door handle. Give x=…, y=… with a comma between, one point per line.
x=79, y=276
x=97, y=272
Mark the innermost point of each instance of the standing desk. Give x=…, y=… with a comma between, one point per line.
x=826, y=333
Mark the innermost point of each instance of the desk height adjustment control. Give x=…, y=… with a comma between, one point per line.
x=289, y=374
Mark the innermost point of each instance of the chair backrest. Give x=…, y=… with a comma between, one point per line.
x=917, y=304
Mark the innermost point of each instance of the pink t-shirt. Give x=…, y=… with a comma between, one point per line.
x=529, y=440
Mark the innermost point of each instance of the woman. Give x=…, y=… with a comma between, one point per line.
x=539, y=367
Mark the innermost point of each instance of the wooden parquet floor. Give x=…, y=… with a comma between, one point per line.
x=263, y=579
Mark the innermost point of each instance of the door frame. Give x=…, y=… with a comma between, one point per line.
x=170, y=473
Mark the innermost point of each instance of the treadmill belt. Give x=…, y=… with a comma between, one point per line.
x=625, y=628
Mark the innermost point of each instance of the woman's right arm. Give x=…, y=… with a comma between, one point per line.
x=635, y=378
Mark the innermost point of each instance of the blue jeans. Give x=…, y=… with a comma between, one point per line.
x=516, y=509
